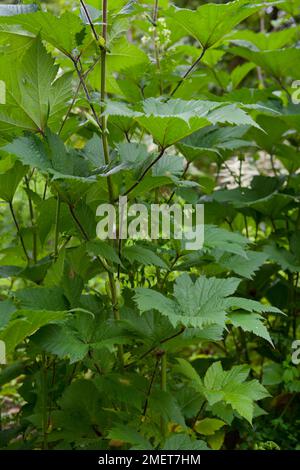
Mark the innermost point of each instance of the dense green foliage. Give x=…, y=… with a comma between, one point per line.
x=140, y=344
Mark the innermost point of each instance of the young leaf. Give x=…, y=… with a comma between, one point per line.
x=232, y=388
x=195, y=304
x=208, y=426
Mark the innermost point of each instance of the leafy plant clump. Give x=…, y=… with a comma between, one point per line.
x=139, y=343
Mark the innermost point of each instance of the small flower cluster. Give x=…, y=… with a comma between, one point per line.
x=162, y=36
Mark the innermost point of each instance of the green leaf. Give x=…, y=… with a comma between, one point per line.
x=103, y=249
x=263, y=196
x=280, y=63
x=14, y=40
x=208, y=426
x=33, y=97
x=185, y=368
x=129, y=435
x=123, y=55
x=143, y=256
x=183, y=442
x=7, y=308
x=62, y=341
x=168, y=122
x=24, y=323
x=251, y=305
x=252, y=322
x=265, y=41
x=224, y=240
x=283, y=257
x=232, y=388
x=164, y=405
x=79, y=334
x=210, y=23
x=244, y=266
x=30, y=151
x=212, y=140
x=49, y=155
x=195, y=304
x=81, y=403
x=48, y=298
x=64, y=33
x=10, y=180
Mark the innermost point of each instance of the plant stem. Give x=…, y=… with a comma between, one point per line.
x=156, y=48
x=33, y=227
x=112, y=282
x=44, y=398
x=187, y=73
x=162, y=341
x=103, y=97
x=86, y=91
x=70, y=108
x=45, y=189
x=57, y=214
x=150, y=387
x=163, y=371
x=18, y=230
x=144, y=173
x=86, y=12
x=86, y=237
x=183, y=175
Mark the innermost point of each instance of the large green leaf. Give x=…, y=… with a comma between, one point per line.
x=280, y=63
x=33, y=96
x=65, y=32
x=212, y=22
x=24, y=323
x=265, y=41
x=169, y=122
x=14, y=40
x=50, y=155
x=212, y=140
x=195, y=304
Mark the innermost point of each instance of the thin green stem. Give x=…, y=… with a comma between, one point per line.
x=44, y=399
x=150, y=387
x=183, y=175
x=163, y=371
x=57, y=215
x=86, y=12
x=18, y=230
x=187, y=73
x=156, y=47
x=70, y=108
x=144, y=173
x=32, y=219
x=86, y=91
x=112, y=282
